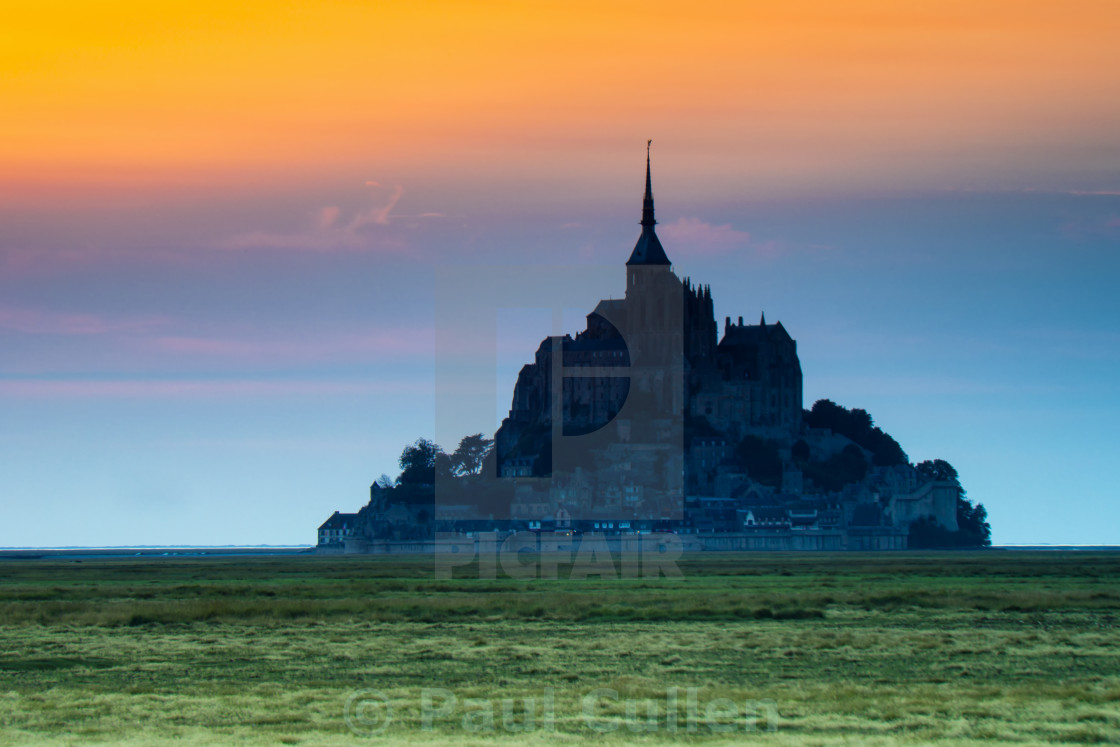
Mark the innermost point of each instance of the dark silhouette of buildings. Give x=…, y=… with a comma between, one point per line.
x=648, y=421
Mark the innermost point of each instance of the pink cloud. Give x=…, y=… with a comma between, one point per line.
x=47, y=322
x=204, y=388
x=385, y=343
x=327, y=217
x=329, y=231
x=694, y=236
x=378, y=215
x=23, y=261
x=1038, y=190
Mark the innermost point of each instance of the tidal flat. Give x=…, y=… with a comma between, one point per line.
x=993, y=647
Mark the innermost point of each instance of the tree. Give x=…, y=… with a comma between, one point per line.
x=418, y=462
x=860, y=422
x=859, y=426
x=384, y=481
x=973, y=523
x=843, y=468
x=468, y=458
x=925, y=534
x=973, y=529
x=827, y=414
x=443, y=465
x=885, y=451
x=938, y=469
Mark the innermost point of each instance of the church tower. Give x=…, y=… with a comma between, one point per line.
x=648, y=258
x=654, y=294
x=657, y=298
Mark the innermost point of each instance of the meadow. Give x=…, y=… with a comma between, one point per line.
x=995, y=647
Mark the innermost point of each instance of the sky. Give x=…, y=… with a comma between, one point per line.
x=226, y=232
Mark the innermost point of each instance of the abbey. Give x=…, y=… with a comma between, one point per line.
x=662, y=373
x=749, y=379
x=652, y=420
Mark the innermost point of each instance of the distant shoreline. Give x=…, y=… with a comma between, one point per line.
x=32, y=553
x=188, y=551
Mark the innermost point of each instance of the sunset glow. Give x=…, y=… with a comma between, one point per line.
x=164, y=94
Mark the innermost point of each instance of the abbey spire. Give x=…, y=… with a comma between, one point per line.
x=647, y=201
x=648, y=250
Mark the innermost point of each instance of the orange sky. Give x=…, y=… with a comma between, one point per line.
x=160, y=94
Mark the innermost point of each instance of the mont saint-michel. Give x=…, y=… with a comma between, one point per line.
x=650, y=420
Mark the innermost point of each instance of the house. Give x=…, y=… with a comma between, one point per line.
x=337, y=528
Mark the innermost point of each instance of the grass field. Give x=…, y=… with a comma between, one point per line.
x=799, y=649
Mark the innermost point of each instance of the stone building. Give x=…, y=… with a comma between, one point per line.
x=337, y=529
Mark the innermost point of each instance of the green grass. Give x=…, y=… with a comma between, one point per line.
x=954, y=648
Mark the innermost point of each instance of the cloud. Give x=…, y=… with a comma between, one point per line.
x=694, y=236
x=44, y=261
x=48, y=322
x=329, y=230
x=1036, y=191
x=382, y=344
x=206, y=388
x=328, y=216
x=377, y=215
x=925, y=387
